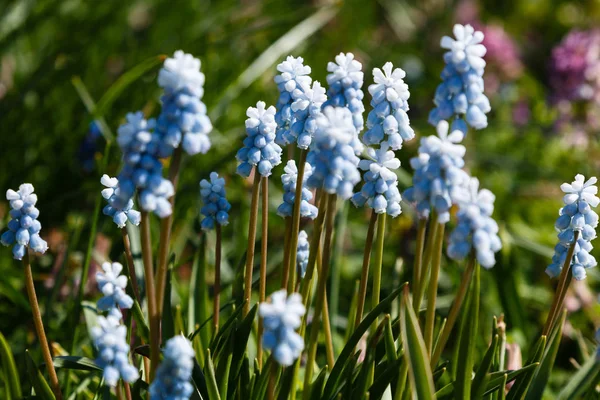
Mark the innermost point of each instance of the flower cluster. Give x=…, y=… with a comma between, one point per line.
x=23, y=228
x=183, y=120
x=216, y=207
x=380, y=190
x=303, y=253
x=259, y=148
x=110, y=339
x=388, y=119
x=119, y=209
x=345, y=80
x=332, y=155
x=289, y=180
x=576, y=215
x=306, y=109
x=438, y=173
x=461, y=92
x=475, y=226
x=112, y=285
x=503, y=61
x=281, y=317
x=173, y=376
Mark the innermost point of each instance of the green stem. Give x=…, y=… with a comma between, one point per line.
x=285, y=272
x=431, y=234
x=130, y=264
x=150, y=290
x=364, y=276
x=433, y=286
x=378, y=263
x=251, y=242
x=420, y=244
x=326, y=320
x=217, y=286
x=263, y=260
x=293, y=244
x=337, y=262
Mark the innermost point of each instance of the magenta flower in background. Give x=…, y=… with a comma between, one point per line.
x=503, y=57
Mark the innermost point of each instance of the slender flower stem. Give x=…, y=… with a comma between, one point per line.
x=431, y=234
x=454, y=310
x=561, y=290
x=293, y=243
x=130, y=264
x=127, y=390
x=150, y=298
x=39, y=326
x=263, y=260
x=322, y=285
x=272, y=381
x=420, y=244
x=251, y=242
x=364, y=276
x=378, y=263
x=217, y=286
x=326, y=320
x=285, y=272
x=433, y=286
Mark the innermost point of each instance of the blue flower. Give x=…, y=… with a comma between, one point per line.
x=281, y=317
x=345, y=81
x=112, y=285
x=438, y=173
x=289, y=180
x=475, y=226
x=216, y=207
x=460, y=94
x=110, y=339
x=388, y=119
x=173, y=375
x=23, y=228
x=183, y=118
x=291, y=82
x=306, y=109
x=576, y=215
x=380, y=190
x=120, y=210
x=302, y=254
x=332, y=155
x=259, y=148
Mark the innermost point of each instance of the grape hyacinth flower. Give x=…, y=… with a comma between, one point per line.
x=345, y=81
x=259, y=149
x=388, y=119
x=306, y=109
x=118, y=209
x=460, y=94
x=173, y=376
x=475, y=226
x=576, y=215
x=289, y=180
x=303, y=253
x=332, y=156
x=216, y=207
x=438, y=173
x=112, y=285
x=24, y=227
x=503, y=61
x=291, y=82
x=183, y=120
x=110, y=339
x=380, y=190
x=281, y=318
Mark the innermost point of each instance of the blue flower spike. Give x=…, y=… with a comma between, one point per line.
x=112, y=285
x=289, y=180
x=24, y=227
x=281, y=317
x=216, y=207
x=306, y=109
x=303, y=253
x=173, y=375
x=118, y=209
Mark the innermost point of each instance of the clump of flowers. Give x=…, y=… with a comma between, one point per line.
x=502, y=57
x=281, y=317
x=24, y=227
x=460, y=95
x=475, y=229
x=576, y=216
x=174, y=373
x=306, y=109
x=183, y=120
x=112, y=285
x=259, y=149
x=290, y=180
x=345, y=80
x=216, y=207
x=303, y=253
x=119, y=209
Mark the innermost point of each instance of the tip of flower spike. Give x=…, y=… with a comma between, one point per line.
x=182, y=71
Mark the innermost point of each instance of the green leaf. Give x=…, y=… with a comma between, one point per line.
x=581, y=380
x=262, y=382
x=390, y=346
x=242, y=335
x=318, y=385
x=383, y=380
x=415, y=353
x=224, y=367
x=10, y=370
x=518, y=390
x=77, y=363
x=199, y=381
x=168, y=322
x=138, y=386
x=90, y=105
x=198, y=297
x=39, y=383
x=478, y=385
x=211, y=380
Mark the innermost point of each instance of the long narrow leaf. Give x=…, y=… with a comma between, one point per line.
x=10, y=369
x=581, y=381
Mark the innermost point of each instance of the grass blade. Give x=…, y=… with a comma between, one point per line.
x=10, y=369
x=39, y=383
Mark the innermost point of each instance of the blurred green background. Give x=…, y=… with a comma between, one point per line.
x=53, y=52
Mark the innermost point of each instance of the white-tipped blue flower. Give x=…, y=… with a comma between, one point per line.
x=216, y=207
x=475, y=228
x=117, y=208
x=345, y=82
x=24, y=227
x=576, y=215
x=183, y=120
x=460, y=95
x=281, y=317
x=438, y=173
x=112, y=285
x=388, y=120
x=260, y=149
x=291, y=82
x=173, y=375
x=334, y=162
x=380, y=190
x=306, y=109
x=289, y=180
x=110, y=339
x=302, y=254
